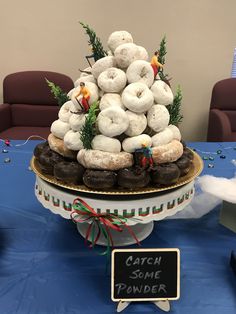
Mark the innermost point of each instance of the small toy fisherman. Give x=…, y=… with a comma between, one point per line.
x=146, y=159
x=155, y=63
x=86, y=96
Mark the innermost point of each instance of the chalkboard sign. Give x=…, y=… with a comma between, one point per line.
x=145, y=274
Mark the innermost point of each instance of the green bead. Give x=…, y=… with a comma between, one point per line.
x=219, y=151
x=211, y=158
x=205, y=158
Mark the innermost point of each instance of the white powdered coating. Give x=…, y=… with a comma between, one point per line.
x=106, y=144
x=65, y=111
x=158, y=118
x=59, y=128
x=76, y=121
x=130, y=144
x=137, y=97
x=162, y=93
x=140, y=71
x=162, y=138
x=72, y=140
x=125, y=54
x=141, y=53
x=112, y=121
x=137, y=123
x=118, y=38
x=175, y=131
x=109, y=100
x=112, y=80
x=83, y=74
x=103, y=64
x=167, y=153
x=87, y=78
x=96, y=159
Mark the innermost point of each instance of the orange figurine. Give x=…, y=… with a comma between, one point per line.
x=86, y=96
x=155, y=63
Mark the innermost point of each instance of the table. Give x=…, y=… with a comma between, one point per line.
x=46, y=268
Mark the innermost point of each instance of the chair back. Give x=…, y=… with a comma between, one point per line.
x=29, y=95
x=30, y=87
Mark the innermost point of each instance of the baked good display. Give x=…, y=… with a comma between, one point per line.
x=115, y=129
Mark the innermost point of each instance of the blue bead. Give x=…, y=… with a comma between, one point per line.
x=222, y=156
x=4, y=151
x=210, y=166
x=7, y=160
x=219, y=151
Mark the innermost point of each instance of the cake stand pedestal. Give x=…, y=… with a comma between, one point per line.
x=139, y=210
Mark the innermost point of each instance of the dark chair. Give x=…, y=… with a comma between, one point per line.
x=222, y=116
x=28, y=106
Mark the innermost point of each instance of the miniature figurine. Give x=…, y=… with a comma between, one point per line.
x=146, y=159
x=86, y=96
x=155, y=63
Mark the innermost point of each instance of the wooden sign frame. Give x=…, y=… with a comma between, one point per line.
x=145, y=250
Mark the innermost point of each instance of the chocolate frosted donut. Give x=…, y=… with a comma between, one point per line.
x=183, y=163
x=188, y=153
x=41, y=147
x=132, y=178
x=165, y=174
x=69, y=172
x=99, y=179
x=47, y=161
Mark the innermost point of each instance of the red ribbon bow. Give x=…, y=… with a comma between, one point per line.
x=104, y=222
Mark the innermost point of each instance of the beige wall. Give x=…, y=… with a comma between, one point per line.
x=46, y=35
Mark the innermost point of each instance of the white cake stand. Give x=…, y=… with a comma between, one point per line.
x=139, y=210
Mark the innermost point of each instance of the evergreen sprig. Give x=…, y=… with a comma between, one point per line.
x=162, y=59
x=174, y=109
x=88, y=130
x=58, y=93
x=95, y=42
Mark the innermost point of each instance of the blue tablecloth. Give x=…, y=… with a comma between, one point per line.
x=46, y=268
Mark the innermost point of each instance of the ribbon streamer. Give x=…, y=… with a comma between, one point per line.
x=103, y=223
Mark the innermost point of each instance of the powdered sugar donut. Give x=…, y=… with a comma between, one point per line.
x=87, y=78
x=96, y=159
x=65, y=111
x=167, y=153
x=137, y=123
x=125, y=54
x=141, y=53
x=137, y=97
x=118, y=38
x=76, y=121
x=162, y=93
x=162, y=138
x=59, y=128
x=109, y=100
x=58, y=146
x=140, y=71
x=86, y=72
x=112, y=121
x=102, y=65
x=106, y=144
x=175, y=131
x=72, y=140
x=112, y=80
x=130, y=144
x=158, y=118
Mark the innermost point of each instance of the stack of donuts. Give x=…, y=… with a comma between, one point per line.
x=132, y=113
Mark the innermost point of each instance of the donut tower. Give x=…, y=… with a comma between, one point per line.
x=134, y=145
